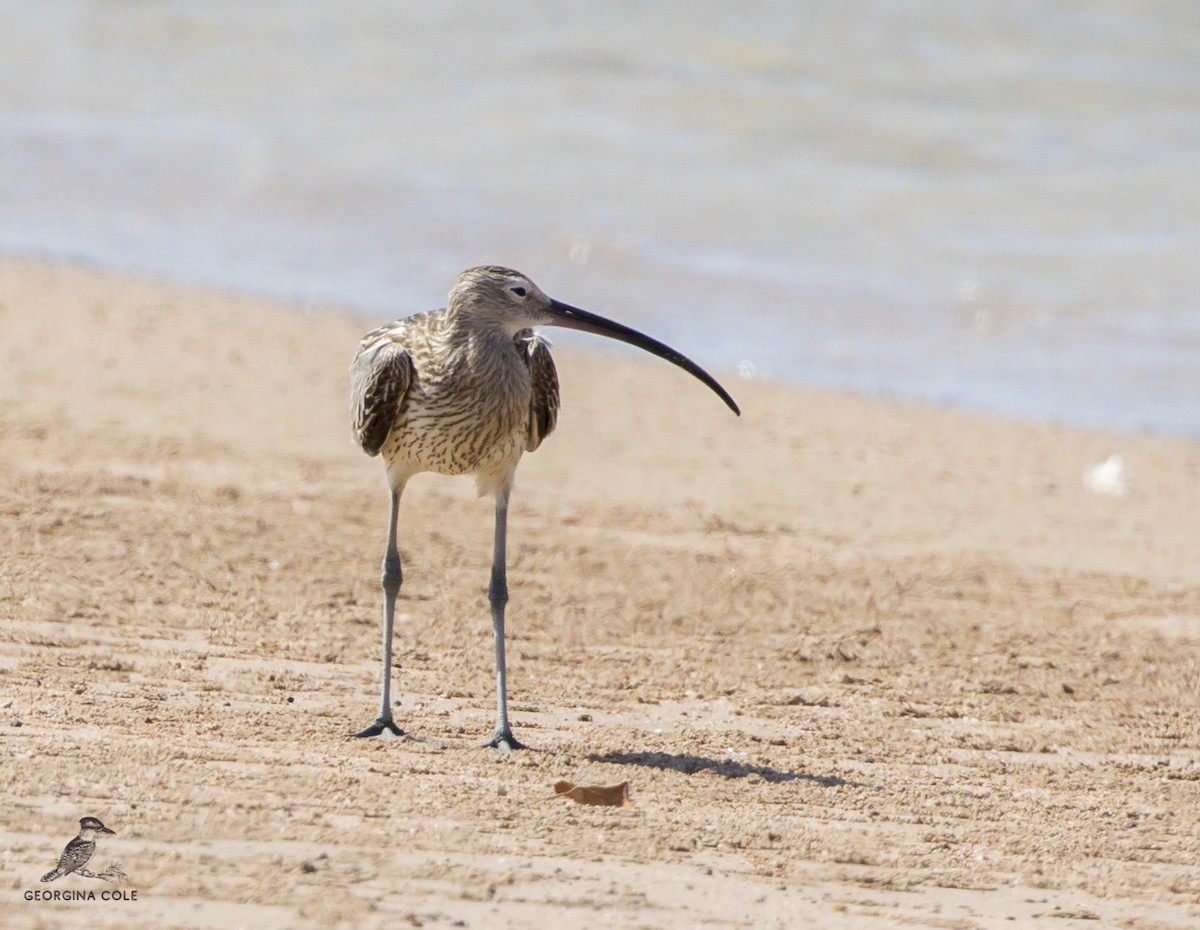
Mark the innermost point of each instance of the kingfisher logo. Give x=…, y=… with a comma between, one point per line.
x=75, y=860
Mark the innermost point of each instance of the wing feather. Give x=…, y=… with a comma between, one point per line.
x=381, y=375
x=543, y=376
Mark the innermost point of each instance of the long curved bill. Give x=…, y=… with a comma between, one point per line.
x=573, y=318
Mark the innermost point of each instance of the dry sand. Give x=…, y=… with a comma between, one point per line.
x=863, y=664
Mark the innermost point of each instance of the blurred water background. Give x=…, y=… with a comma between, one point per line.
x=984, y=204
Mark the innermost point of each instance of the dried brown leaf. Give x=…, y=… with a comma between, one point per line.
x=599, y=795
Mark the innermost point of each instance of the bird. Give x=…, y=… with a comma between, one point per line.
x=78, y=851
x=467, y=390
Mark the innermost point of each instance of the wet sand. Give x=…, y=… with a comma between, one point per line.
x=863, y=664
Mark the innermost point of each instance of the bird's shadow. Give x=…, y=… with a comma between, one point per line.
x=727, y=768
x=684, y=763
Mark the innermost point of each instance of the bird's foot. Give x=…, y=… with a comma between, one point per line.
x=381, y=725
x=502, y=739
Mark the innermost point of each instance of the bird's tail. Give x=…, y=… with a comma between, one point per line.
x=52, y=875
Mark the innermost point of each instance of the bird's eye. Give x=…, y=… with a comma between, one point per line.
x=518, y=290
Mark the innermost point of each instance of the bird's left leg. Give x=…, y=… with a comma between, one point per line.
x=502, y=736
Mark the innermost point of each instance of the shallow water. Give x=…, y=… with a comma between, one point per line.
x=990, y=205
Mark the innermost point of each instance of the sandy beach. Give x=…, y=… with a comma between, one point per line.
x=863, y=664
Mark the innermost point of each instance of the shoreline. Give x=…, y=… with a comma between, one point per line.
x=368, y=318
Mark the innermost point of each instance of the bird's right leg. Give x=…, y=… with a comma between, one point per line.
x=392, y=576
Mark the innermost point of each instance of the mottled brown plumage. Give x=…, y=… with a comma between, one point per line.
x=468, y=390
x=455, y=391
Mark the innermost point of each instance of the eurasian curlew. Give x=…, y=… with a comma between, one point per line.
x=466, y=390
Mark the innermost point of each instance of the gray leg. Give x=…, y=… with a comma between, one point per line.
x=502, y=736
x=391, y=579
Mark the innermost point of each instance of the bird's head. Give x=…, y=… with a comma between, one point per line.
x=499, y=297
x=92, y=825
